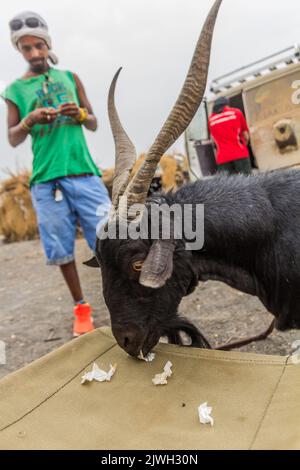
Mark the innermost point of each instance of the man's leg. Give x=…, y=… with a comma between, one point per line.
x=226, y=168
x=92, y=204
x=243, y=166
x=70, y=274
x=57, y=225
x=83, y=322
x=89, y=199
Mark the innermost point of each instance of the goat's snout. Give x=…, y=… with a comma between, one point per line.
x=130, y=338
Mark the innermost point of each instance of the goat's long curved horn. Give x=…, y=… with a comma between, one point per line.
x=181, y=115
x=125, y=150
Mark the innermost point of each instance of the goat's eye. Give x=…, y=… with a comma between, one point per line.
x=137, y=266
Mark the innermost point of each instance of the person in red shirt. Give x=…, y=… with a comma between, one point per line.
x=230, y=133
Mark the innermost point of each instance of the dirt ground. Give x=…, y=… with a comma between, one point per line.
x=36, y=309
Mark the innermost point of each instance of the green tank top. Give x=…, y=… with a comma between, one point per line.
x=59, y=149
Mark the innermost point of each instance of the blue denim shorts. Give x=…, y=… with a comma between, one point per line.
x=84, y=200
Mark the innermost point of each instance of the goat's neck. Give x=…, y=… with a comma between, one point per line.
x=209, y=269
x=232, y=239
x=238, y=222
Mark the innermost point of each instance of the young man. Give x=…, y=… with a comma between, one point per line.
x=51, y=105
x=230, y=132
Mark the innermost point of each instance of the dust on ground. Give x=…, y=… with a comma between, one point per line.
x=36, y=308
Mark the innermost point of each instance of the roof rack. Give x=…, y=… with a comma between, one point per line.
x=261, y=67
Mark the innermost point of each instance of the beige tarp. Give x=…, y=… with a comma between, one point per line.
x=255, y=400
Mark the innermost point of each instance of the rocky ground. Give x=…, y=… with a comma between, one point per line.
x=36, y=309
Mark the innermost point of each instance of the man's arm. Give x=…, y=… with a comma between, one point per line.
x=72, y=110
x=16, y=133
x=91, y=121
x=244, y=129
x=213, y=141
x=19, y=129
x=246, y=137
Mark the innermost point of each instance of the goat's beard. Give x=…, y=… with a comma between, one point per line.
x=175, y=326
x=181, y=324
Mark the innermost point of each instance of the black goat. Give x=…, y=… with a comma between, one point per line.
x=251, y=233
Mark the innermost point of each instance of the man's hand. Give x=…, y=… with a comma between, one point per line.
x=69, y=109
x=41, y=116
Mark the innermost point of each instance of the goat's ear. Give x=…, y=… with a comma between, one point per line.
x=158, y=267
x=92, y=263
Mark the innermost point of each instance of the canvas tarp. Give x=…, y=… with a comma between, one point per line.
x=255, y=400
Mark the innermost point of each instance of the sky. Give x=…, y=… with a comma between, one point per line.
x=153, y=40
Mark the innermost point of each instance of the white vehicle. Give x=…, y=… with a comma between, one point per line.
x=268, y=93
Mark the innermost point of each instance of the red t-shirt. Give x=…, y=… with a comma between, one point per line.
x=226, y=129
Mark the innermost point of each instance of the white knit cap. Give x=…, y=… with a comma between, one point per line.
x=41, y=31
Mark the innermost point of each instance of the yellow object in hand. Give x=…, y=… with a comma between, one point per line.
x=83, y=115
